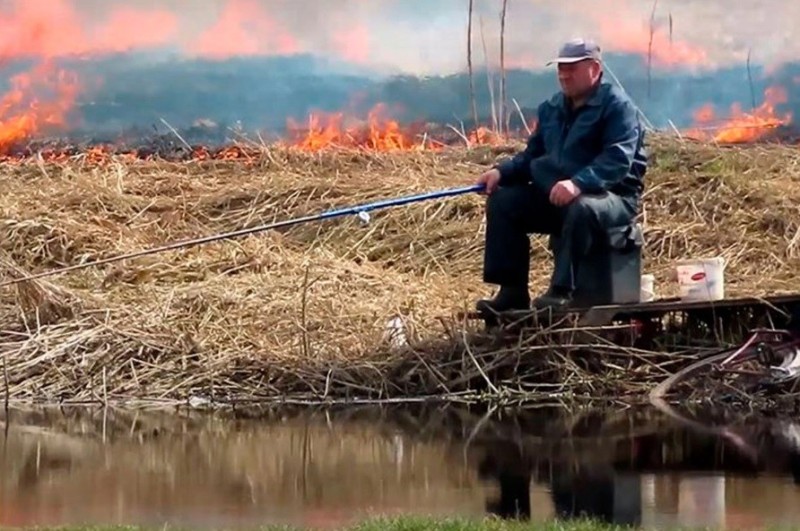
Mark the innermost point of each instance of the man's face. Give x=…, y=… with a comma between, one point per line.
x=577, y=79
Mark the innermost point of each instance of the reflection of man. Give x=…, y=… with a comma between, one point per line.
x=514, y=501
x=579, y=498
x=514, y=480
x=794, y=467
x=587, y=493
x=581, y=172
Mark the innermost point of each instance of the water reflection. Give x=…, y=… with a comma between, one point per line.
x=594, y=492
x=712, y=472
x=330, y=467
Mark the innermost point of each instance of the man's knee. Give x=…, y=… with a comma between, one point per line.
x=586, y=209
x=602, y=210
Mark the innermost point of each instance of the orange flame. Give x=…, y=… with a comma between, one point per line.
x=485, y=136
x=378, y=133
x=23, y=115
x=742, y=127
x=57, y=28
x=40, y=99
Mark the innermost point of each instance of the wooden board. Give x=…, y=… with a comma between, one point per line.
x=670, y=305
x=599, y=315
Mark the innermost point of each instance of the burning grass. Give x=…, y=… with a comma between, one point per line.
x=303, y=312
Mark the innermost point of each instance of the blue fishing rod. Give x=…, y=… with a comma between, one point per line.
x=359, y=210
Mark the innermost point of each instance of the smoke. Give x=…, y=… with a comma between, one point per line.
x=409, y=36
x=130, y=62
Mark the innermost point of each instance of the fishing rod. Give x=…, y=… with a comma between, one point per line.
x=359, y=210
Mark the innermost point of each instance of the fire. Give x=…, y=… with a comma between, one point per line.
x=23, y=113
x=741, y=126
x=485, y=136
x=41, y=99
x=379, y=133
x=101, y=154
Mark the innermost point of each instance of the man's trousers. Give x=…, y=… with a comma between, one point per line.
x=512, y=213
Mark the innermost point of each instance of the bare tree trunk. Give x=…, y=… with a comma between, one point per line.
x=750, y=81
x=670, y=28
x=650, y=48
x=503, y=96
x=469, y=64
x=489, y=78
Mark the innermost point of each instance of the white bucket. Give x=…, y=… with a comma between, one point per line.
x=647, y=292
x=702, y=279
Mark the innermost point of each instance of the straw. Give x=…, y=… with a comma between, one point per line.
x=302, y=312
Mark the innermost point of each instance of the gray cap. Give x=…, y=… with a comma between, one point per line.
x=577, y=50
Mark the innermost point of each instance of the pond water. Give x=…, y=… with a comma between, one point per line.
x=327, y=468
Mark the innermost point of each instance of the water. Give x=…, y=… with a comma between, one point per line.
x=329, y=468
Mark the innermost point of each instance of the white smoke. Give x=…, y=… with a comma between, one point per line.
x=429, y=37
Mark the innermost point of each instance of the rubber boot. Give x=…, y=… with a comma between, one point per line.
x=555, y=298
x=507, y=299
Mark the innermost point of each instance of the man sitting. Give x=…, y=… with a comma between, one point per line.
x=581, y=172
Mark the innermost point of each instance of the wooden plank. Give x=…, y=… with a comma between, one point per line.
x=668, y=305
x=609, y=312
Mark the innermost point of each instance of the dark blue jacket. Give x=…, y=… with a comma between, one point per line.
x=600, y=146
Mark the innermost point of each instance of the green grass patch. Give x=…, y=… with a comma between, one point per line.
x=415, y=523
x=488, y=524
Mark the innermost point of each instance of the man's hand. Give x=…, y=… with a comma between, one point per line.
x=490, y=178
x=564, y=193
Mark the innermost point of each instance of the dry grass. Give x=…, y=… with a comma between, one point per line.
x=304, y=310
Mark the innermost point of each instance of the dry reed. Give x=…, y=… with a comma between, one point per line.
x=302, y=312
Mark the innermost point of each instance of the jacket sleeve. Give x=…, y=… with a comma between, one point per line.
x=620, y=140
x=516, y=170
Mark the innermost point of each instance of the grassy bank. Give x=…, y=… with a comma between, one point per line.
x=303, y=311
x=423, y=524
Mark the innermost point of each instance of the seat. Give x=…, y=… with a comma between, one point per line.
x=612, y=271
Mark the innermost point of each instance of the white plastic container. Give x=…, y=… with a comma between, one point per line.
x=702, y=279
x=648, y=292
